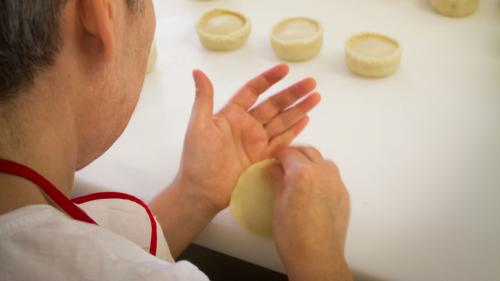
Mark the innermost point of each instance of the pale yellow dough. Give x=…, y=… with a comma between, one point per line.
x=252, y=200
x=223, y=30
x=455, y=8
x=297, y=39
x=153, y=53
x=372, y=55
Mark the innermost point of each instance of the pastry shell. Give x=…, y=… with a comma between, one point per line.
x=455, y=8
x=372, y=55
x=297, y=39
x=223, y=30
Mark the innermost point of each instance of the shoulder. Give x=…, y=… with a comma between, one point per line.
x=39, y=242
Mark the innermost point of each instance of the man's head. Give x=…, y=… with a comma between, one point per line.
x=92, y=53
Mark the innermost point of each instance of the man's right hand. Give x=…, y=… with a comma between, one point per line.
x=311, y=215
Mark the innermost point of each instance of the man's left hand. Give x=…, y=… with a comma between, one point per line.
x=218, y=148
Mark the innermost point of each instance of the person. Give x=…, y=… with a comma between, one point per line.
x=71, y=72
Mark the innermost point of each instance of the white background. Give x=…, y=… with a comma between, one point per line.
x=419, y=151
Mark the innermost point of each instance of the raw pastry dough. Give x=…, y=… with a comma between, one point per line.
x=153, y=53
x=223, y=30
x=297, y=39
x=253, y=199
x=372, y=55
x=455, y=8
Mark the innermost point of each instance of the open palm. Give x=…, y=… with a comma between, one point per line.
x=218, y=148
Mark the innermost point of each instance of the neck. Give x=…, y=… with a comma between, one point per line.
x=38, y=131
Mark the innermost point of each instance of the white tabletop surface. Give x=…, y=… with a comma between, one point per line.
x=419, y=151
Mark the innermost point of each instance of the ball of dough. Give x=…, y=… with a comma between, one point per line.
x=455, y=8
x=252, y=200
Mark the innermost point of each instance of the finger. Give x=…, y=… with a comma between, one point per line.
x=286, y=119
x=203, y=104
x=334, y=166
x=312, y=153
x=249, y=94
x=282, y=141
x=271, y=107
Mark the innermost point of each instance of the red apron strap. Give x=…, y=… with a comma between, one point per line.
x=69, y=206
x=124, y=196
x=55, y=194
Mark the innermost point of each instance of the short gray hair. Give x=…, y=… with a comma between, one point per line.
x=29, y=40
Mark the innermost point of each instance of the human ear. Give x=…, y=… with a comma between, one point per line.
x=97, y=20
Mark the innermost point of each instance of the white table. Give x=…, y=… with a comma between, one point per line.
x=419, y=151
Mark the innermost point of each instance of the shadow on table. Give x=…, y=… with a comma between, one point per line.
x=220, y=267
x=362, y=276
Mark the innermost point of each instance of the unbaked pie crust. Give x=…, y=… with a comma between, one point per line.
x=223, y=30
x=297, y=39
x=455, y=8
x=372, y=55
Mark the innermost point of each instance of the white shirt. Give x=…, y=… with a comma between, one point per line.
x=129, y=220
x=40, y=243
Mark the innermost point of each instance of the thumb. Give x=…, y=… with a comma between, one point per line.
x=276, y=175
x=291, y=158
x=204, y=101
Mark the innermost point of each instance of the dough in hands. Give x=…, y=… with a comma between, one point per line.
x=252, y=201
